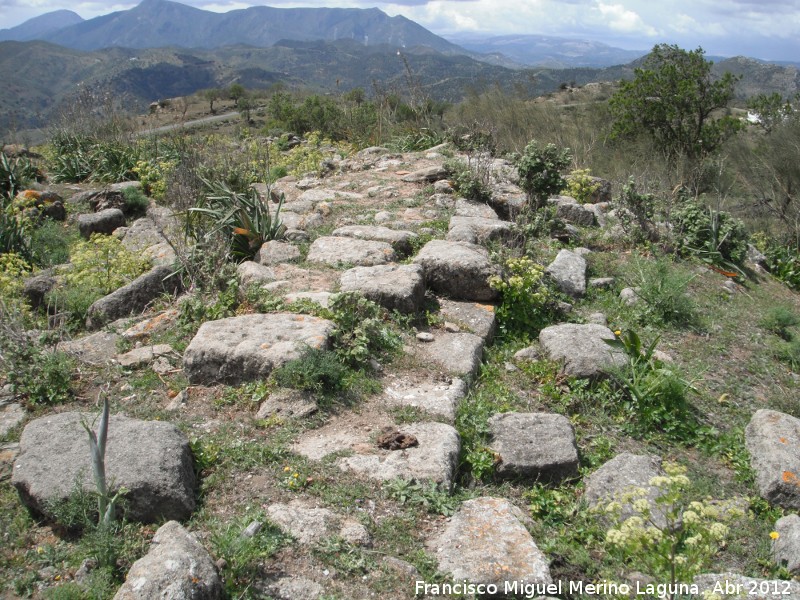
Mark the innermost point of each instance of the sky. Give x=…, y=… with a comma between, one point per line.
x=766, y=29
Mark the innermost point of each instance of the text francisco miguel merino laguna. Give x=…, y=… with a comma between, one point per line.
x=532, y=590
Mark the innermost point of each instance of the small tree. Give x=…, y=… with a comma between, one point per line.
x=672, y=98
x=212, y=95
x=541, y=172
x=236, y=91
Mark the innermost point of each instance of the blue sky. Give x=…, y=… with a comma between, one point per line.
x=768, y=29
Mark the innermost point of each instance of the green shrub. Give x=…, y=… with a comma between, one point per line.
x=527, y=302
x=661, y=289
x=316, y=370
x=41, y=376
x=363, y=330
x=540, y=172
x=50, y=243
x=76, y=157
x=13, y=270
x=468, y=181
x=784, y=264
x=656, y=395
x=103, y=264
x=712, y=235
x=581, y=185
x=136, y=202
x=779, y=320
x=636, y=213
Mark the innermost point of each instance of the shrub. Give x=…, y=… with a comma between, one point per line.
x=712, y=235
x=362, y=330
x=779, y=320
x=136, y=202
x=581, y=185
x=468, y=180
x=540, y=172
x=316, y=370
x=784, y=264
x=50, y=244
x=76, y=157
x=526, y=304
x=13, y=269
x=677, y=544
x=103, y=264
x=661, y=290
x=636, y=213
x=656, y=395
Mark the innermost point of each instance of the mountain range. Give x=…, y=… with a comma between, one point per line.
x=161, y=49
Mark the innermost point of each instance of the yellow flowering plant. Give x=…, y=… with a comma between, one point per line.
x=526, y=299
x=663, y=534
x=581, y=185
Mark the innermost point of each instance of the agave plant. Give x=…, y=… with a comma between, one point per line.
x=106, y=502
x=245, y=217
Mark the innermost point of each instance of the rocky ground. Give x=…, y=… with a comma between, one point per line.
x=197, y=436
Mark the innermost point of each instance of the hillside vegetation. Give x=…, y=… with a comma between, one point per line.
x=361, y=342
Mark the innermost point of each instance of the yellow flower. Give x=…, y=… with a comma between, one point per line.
x=774, y=535
x=296, y=475
x=286, y=469
x=618, y=332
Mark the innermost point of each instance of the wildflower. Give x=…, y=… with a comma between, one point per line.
x=617, y=332
x=286, y=469
x=296, y=475
x=774, y=535
x=690, y=517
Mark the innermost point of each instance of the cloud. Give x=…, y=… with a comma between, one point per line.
x=621, y=19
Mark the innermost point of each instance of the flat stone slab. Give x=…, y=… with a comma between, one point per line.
x=434, y=459
x=344, y=250
x=471, y=317
x=134, y=297
x=395, y=287
x=435, y=397
x=249, y=347
x=458, y=270
x=144, y=355
x=95, y=349
x=104, y=222
x=426, y=175
x=455, y=353
x=469, y=208
x=309, y=524
x=581, y=349
x=321, y=298
x=287, y=404
x=534, y=446
x=569, y=272
x=151, y=459
x=176, y=567
x=484, y=229
x=621, y=474
x=786, y=549
x=155, y=324
x=275, y=252
x=252, y=273
x=772, y=439
x=398, y=239
x=143, y=237
x=486, y=542
x=11, y=415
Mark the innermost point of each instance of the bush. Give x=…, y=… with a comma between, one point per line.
x=636, y=213
x=362, y=330
x=779, y=320
x=136, y=202
x=661, y=291
x=581, y=185
x=784, y=264
x=712, y=235
x=13, y=269
x=468, y=180
x=316, y=370
x=656, y=394
x=540, y=172
x=526, y=305
x=50, y=244
x=103, y=264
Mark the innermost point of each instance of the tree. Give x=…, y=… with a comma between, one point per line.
x=673, y=98
x=212, y=95
x=236, y=91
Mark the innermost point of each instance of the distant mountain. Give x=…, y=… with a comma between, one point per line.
x=759, y=77
x=162, y=23
x=134, y=78
x=546, y=51
x=40, y=27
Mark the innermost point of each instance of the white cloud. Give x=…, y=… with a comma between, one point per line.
x=621, y=19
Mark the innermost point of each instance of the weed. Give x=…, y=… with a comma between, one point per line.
x=428, y=496
x=581, y=185
x=661, y=289
x=779, y=320
x=51, y=242
x=527, y=301
x=345, y=557
x=469, y=180
x=103, y=264
x=136, y=202
x=316, y=370
x=552, y=506
x=713, y=235
x=244, y=556
x=362, y=330
x=636, y=212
